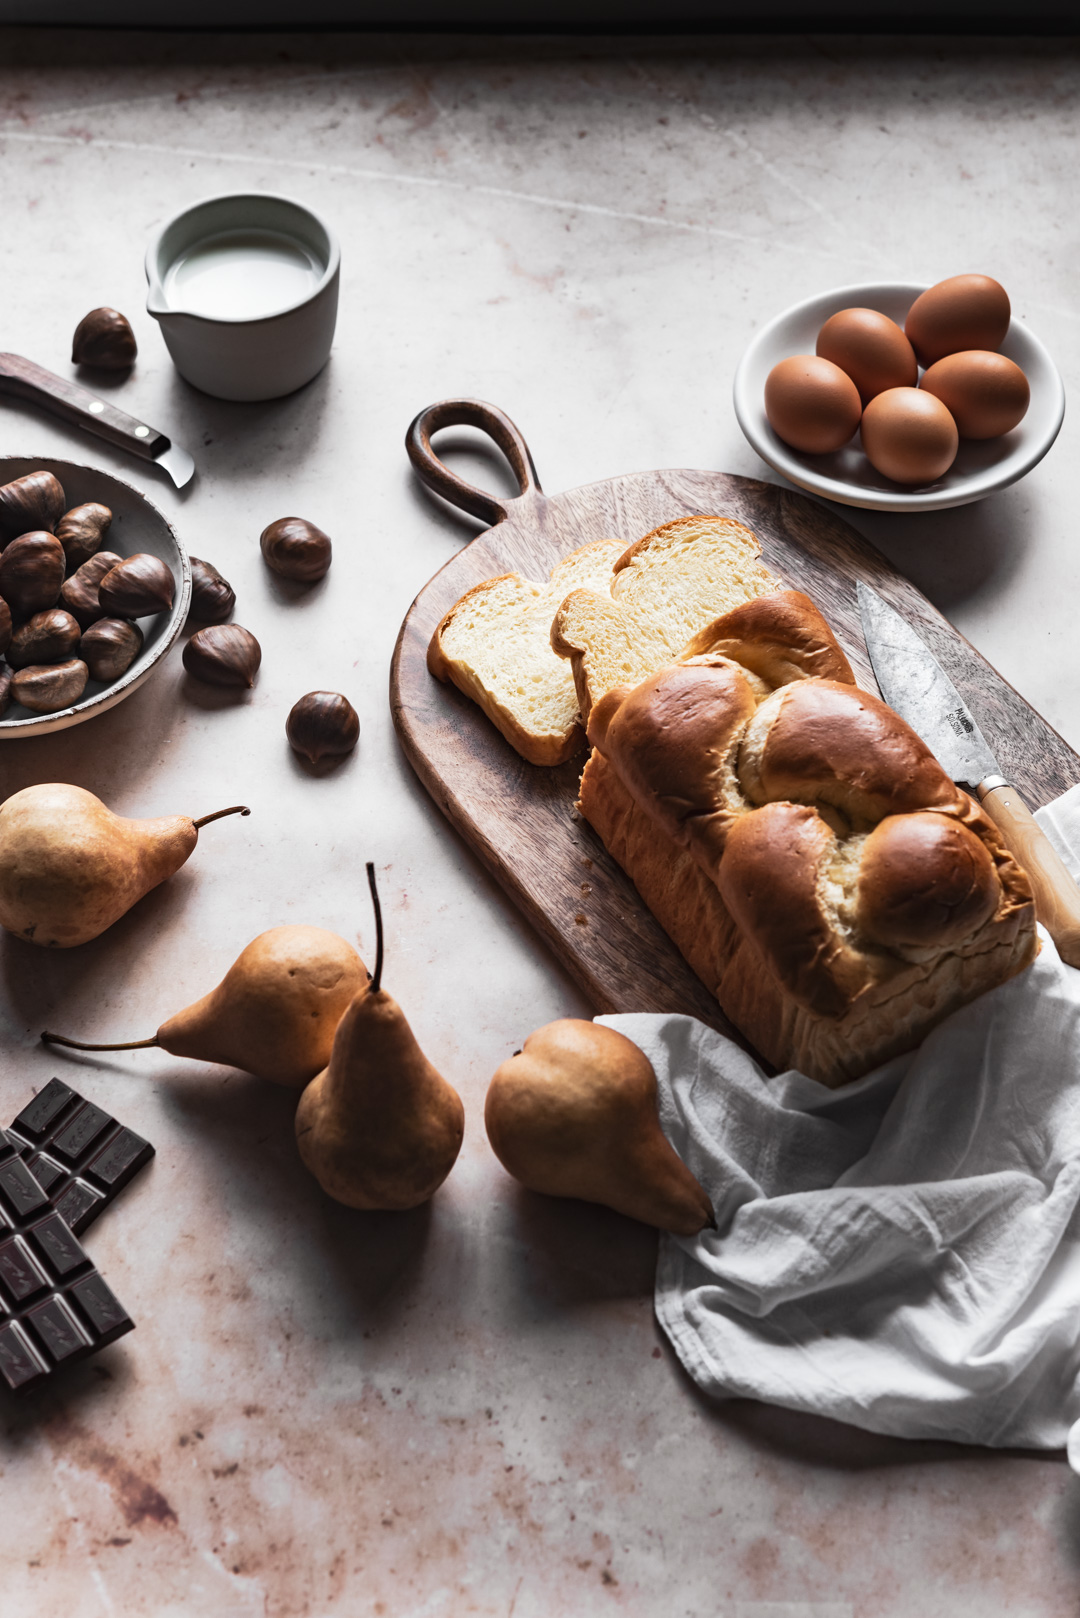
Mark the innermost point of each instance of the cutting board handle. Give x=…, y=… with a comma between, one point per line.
x=439, y=478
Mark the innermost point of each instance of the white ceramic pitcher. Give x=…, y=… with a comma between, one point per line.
x=245, y=290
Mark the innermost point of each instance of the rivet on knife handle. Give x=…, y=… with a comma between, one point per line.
x=1057, y=896
x=22, y=379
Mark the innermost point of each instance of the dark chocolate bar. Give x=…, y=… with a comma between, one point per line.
x=54, y=1306
x=81, y=1156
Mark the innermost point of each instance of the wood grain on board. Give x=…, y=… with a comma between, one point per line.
x=520, y=818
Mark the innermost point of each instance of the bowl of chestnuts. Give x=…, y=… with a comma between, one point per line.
x=94, y=588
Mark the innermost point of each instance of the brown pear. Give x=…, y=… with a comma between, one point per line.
x=574, y=1114
x=273, y=1013
x=69, y=867
x=379, y=1127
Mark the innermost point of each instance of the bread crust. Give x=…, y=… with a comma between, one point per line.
x=672, y=739
x=771, y=884
x=680, y=527
x=820, y=742
x=925, y=880
x=780, y=637
x=893, y=1012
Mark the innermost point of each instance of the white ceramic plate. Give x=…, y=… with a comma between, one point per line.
x=980, y=467
x=136, y=526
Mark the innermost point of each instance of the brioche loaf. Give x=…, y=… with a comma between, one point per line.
x=806, y=852
x=624, y=611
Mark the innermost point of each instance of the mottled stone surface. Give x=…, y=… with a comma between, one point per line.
x=469, y=1409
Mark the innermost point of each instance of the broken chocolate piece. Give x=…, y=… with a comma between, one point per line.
x=81, y=1156
x=54, y=1306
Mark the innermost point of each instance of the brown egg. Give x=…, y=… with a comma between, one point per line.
x=870, y=349
x=811, y=404
x=966, y=311
x=985, y=394
x=909, y=436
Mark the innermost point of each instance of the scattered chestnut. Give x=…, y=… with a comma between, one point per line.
x=81, y=531
x=48, y=687
x=109, y=647
x=47, y=637
x=321, y=724
x=5, y=687
x=104, y=339
x=136, y=587
x=212, y=597
x=34, y=501
x=296, y=549
x=5, y=625
x=31, y=573
x=223, y=654
x=79, y=594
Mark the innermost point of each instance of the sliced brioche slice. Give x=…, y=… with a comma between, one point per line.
x=667, y=588
x=495, y=645
x=606, y=646
x=690, y=571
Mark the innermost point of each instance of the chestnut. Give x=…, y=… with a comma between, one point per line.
x=81, y=531
x=136, y=587
x=48, y=687
x=105, y=340
x=47, y=637
x=212, y=596
x=322, y=724
x=223, y=654
x=79, y=594
x=33, y=501
x=296, y=549
x=109, y=647
x=31, y=573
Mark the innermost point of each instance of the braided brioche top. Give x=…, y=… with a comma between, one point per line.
x=837, y=842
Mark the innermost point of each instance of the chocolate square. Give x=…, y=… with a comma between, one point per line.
x=80, y=1155
x=54, y=1306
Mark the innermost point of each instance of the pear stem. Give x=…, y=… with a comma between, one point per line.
x=237, y=809
x=377, y=977
x=77, y=1045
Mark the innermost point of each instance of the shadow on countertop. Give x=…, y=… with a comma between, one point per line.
x=955, y=556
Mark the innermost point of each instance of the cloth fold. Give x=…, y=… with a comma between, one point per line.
x=902, y=1254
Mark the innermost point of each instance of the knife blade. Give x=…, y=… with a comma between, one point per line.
x=915, y=686
x=23, y=379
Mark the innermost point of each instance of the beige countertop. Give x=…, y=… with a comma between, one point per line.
x=470, y=1409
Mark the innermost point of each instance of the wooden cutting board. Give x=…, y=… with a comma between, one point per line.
x=519, y=818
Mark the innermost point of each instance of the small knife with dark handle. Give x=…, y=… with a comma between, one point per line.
x=916, y=686
x=22, y=379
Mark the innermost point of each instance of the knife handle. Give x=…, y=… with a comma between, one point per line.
x=22, y=379
x=1057, y=896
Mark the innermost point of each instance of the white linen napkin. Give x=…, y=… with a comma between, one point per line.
x=904, y=1253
